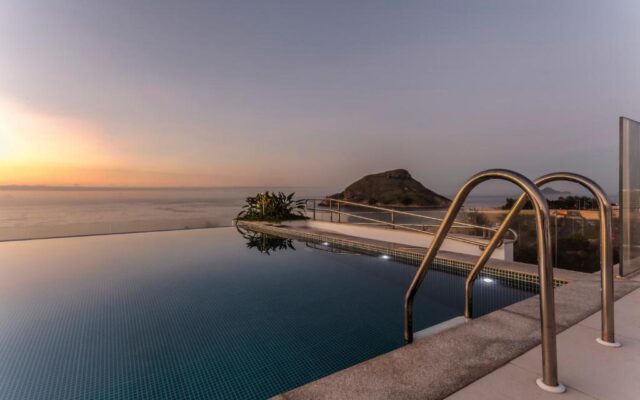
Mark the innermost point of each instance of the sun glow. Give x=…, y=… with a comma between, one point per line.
x=38, y=148
x=28, y=136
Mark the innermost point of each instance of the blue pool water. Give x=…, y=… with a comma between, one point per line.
x=202, y=314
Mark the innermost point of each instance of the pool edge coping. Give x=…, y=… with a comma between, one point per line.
x=505, y=269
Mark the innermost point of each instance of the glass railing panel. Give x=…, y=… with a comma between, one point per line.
x=629, y=196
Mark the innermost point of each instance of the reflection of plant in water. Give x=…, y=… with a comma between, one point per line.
x=265, y=243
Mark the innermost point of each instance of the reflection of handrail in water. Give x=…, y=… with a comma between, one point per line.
x=393, y=213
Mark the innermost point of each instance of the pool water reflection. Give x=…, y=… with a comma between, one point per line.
x=202, y=314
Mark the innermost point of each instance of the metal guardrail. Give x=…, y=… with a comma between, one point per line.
x=549, y=380
x=338, y=212
x=606, y=251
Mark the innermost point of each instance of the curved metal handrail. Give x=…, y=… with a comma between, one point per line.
x=606, y=251
x=549, y=380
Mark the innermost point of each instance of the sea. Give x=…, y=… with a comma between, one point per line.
x=31, y=213
x=57, y=212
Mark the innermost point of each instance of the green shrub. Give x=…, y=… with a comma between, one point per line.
x=272, y=207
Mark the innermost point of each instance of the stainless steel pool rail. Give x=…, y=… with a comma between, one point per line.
x=339, y=211
x=549, y=380
x=606, y=250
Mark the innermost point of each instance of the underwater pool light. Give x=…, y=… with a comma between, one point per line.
x=487, y=280
x=385, y=257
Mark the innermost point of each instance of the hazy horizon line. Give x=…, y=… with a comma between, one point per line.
x=89, y=188
x=123, y=188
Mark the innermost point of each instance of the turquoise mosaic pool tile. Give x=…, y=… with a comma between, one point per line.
x=199, y=315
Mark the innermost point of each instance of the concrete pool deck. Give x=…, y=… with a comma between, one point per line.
x=465, y=355
x=590, y=371
x=440, y=365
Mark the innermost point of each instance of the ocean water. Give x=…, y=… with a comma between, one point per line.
x=27, y=214
x=42, y=213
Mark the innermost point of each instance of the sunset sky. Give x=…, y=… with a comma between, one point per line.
x=236, y=93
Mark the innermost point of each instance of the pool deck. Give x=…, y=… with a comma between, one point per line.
x=589, y=370
x=497, y=356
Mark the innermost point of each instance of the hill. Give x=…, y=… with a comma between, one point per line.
x=553, y=192
x=395, y=188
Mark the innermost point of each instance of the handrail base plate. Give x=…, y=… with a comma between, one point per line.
x=608, y=344
x=551, y=389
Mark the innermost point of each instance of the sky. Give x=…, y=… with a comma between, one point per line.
x=312, y=93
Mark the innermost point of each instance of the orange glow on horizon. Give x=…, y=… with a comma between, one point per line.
x=42, y=149
x=70, y=175
x=27, y=136
x=37, y=148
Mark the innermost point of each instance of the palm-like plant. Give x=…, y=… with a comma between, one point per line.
x=271, y=206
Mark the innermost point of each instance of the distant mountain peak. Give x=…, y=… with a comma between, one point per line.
x=393, y=188
x=552, y=191
x=395, y=174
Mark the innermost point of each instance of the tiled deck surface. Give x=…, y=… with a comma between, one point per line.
x=589, y=370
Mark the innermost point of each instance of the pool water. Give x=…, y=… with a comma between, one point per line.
x=203, y=314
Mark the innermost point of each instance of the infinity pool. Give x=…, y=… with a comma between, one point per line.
x=204, y=314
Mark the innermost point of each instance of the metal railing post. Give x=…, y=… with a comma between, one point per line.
x=330, y=212
x=549, y=380
x=393, y=220
x=339, y=215
x=555, y=239
x=606, y=250
x=314, y=209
